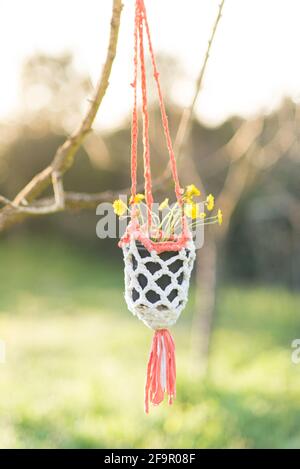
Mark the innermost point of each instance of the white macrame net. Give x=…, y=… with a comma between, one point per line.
x=156, y=285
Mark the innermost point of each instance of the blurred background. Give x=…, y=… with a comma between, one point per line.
x=75, y=357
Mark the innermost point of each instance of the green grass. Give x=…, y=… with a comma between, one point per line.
x=75, y=367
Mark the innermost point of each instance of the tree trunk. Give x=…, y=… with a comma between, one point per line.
x=206, y=272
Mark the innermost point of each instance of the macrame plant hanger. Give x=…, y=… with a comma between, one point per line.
x=157, y=273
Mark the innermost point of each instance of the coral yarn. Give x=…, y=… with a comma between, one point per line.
x=161, y=370
x=141, y=25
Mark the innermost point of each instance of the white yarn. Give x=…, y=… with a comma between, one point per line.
x=163, y=369
x=165, y=311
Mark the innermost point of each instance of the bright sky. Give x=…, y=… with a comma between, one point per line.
x=254, y=61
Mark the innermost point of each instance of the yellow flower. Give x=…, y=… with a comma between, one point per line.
x=191, y=210
x=202, y=215
x=136, y=199
x=210, y=202
x=220, y=216
x=164, y=204
x=191, y=191
x=119, y=207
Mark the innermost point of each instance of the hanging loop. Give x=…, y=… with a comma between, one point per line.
x=141, y=26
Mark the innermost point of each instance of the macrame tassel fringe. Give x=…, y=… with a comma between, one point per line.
x=161, y=370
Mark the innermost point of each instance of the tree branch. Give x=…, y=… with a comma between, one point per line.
x=18, y=209
x=64, y=157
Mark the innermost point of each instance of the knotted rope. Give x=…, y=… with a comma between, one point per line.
x=141, y=25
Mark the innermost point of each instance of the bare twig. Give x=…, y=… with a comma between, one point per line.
x=80, y=200
x=186, y=118
x=64, y=157
x=187, y=115
x=65, y=154
x=57, y=203
x=25, y=203
x=242, y=172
